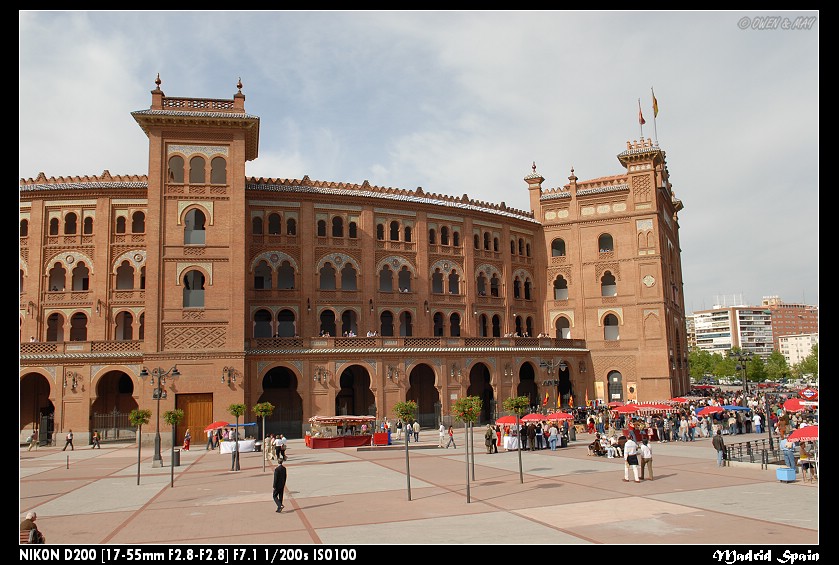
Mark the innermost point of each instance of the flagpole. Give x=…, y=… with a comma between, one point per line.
x=640, y=120
x=655, y=114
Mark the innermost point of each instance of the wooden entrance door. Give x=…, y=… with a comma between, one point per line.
x=198, y=414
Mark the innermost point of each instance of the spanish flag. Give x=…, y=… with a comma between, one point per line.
x=655, y=104
x=545, y=402
x=586, y=397
x=641, y=119
x=558, y=401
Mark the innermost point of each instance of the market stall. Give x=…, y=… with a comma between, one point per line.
x=340, y=431
x=245, y=446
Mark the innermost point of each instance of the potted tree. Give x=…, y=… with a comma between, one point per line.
x=263, y=410
x=405, y=411
x=236, y=410
x=138, y=417
x=467, y=410
x=518, y=405
x=173, y=418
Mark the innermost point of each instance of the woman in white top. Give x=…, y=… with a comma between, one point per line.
x=630, y=460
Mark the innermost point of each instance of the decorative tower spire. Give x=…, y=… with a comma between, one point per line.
x=239, y=85
x=157, y=81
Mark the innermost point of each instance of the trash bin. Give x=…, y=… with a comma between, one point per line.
x=564, y=441
x=176, y=458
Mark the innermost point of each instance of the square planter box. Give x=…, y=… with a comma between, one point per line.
x=785, y=474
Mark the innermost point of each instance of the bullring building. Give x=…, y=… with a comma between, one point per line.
x=196, y=287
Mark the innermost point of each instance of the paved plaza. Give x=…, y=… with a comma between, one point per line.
x=357, y=496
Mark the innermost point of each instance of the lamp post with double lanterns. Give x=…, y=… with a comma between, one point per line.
x=158, y=380
x=742, y=359
x=549, y=367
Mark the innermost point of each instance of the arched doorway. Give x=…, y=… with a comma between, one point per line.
x=114, y=401
x=566, y=389
x=279, y=387
x=421, y=390
x=527, y=385
x=615, y=386
x=354, y=397
x=480, y=386
x=37, y=412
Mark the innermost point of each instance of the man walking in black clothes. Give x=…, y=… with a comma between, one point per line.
x=279, y=484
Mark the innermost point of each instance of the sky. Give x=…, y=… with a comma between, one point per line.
x=465, y=102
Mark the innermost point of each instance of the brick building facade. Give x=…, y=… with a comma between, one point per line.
x=329, y=298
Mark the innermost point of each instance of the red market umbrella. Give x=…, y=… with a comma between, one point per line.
x=615, y=404
x=680, y=399
x=653, y=408
x=216, y=425
x=559, y=416
x=533, y=418
x=703, y=387
x=627, y=409
x=793, y=405
x=807, y=433
x=709, y=410
x=505, y=420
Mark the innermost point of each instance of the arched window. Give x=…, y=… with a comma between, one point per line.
x=496, y=245
x=138, y=222
x=176, y=169
x=380, y=232
x=405, y=279
x=494, y=285
x=432, y=236
x=454, y=324
x=406, y=326
x=124, y=329
x=521, y=246
x=408, y=234
x=476, y=241
x=55, y=328
x=327, y=323
x=197, y=174
x=512, y=247
x=528, y=325
x=527, y=249
x=516, y=288
x=58, y=276
x=386, y=323
x=87, y=226
x=394, y=231
x=285, y=276
x=78, y=327
x=482, y=284
x=496, y=326
x=286, y=323
x=142, y=278
x=321, y=228
x=527, y=289
x=519, y=330
x=558, y=247
x=70, y=224
x=262, y=276
x=256, y=226
x=291, y=226
x=456, y=238
x=560, y=288
x=141, y=333
x=438, y=324
x=327, y=277
x=437, y=282
x=608, y=286
x=262, y=324
x=24, y=228
x=353, y=230
x=218, y=171
x=444, y=235
x=275, y=224
x=483, y=326
x=337, y=226
x=118, y=228
x=81, y=277
x=605, y=243
x=193, y=293
x=125, y=276
x=611, y=330
x=349, y=323
x=348, y=278
x=486, y=241
x=386, y=279
x=454, y=283
x=194, y=227
x=563, y=328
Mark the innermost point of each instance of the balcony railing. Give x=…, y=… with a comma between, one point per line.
x=392, y=342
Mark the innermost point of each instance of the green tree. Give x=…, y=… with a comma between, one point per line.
x=139, y=418
x=236, y=410
x=809, y=366
x=173, y=418
x=700, y=363
x=263, y=410
x=518, y=405
x=776, y=366
x=468, y=409
x=406, y=411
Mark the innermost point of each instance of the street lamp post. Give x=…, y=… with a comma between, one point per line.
x=742, y=358
x=550, y=366
x=158, y=379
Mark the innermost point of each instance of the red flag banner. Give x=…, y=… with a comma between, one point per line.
x=545, y=402
x=641, y=119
